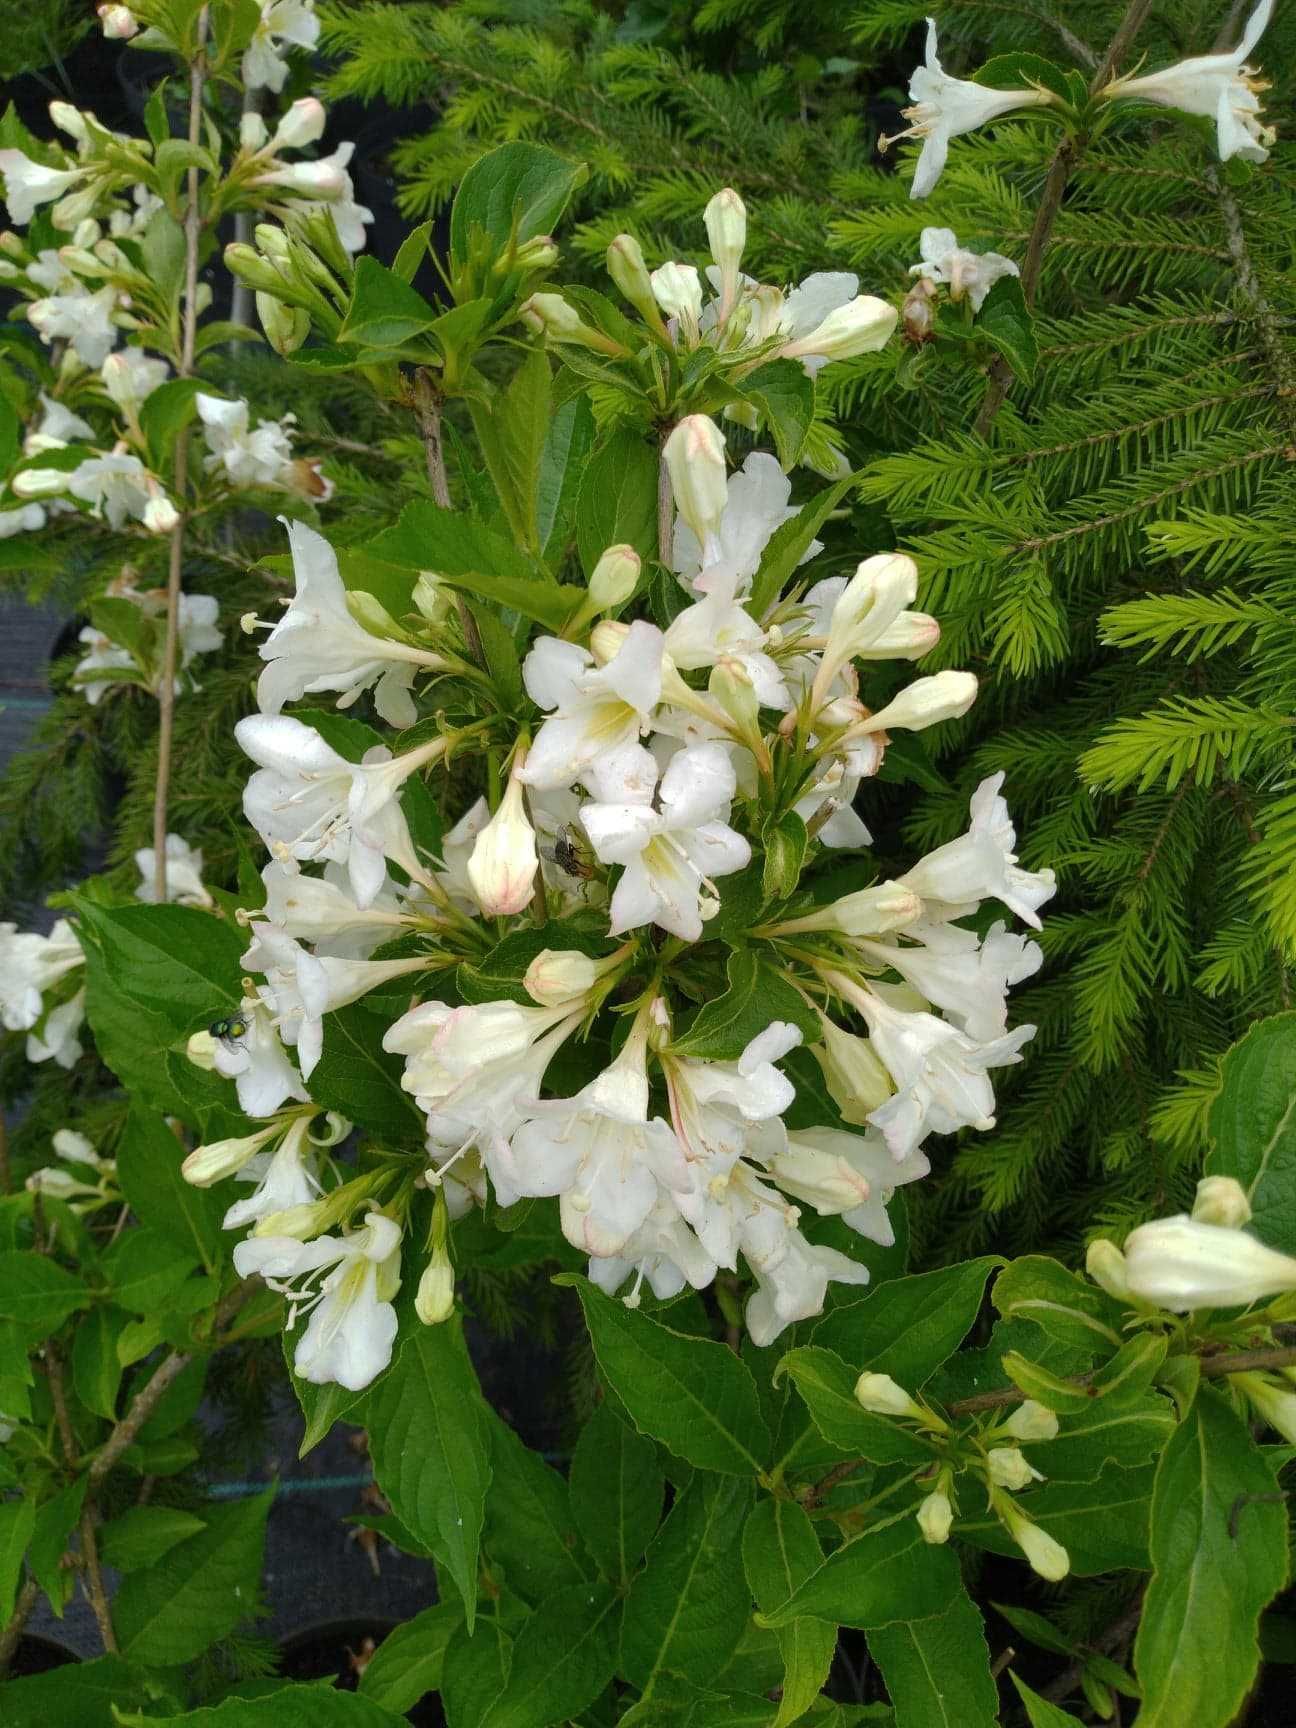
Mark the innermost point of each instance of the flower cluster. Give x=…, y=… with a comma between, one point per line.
x=32, y=966
x=627, y=806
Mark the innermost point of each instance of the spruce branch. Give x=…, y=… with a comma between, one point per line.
x=175, y=569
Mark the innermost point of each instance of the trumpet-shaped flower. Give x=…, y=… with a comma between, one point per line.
x=80, y=316
x=352, y=1327
x=29, y=965
x=283, y=24
x=664, y=1251
x=945, y=107
x=716, y=628
x=184, y=883
x=967, y=275
x=981, y=865
x=255, y=1061
x=598, y=714
x=130, y=377
x=57, y=427
x=249, y=458
x=672, y=853
x=503, y=864
x=307, y=802
x=755, y=504
x=965, y=976
x=29, y=184
x=320, y=910
x=1220, y=87
x=317, y=645
x=300, y=988
x=853, y=1175
x=57, y=1039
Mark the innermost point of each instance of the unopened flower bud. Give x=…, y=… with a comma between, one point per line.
x=1181, y=1264
x=434, y=1300
x=1046, y=1556
x=119, y=22
x=871, y=911
x=504, y=860
x=695, y=460
x=250, y=267
x=731, y=689
x=38, y=483
x=726, y=225
x=272, y=242
x=1031, y=1421
x=560, y=975
x=925, y=702
x=1221, y=1200
x=303, y=124
x=607, y=638
x=916, y=315
x=626, y=267
x=615, y=577
x=678, y=291
x=286, y=327
x=861, y=326
x=160, y=514
x=538, y=253
x=1105, y=1264
x=879, y=1394
x=1271, y=1400
x=1007, y=1468
x=70, y=120
x=856, y=1079
x=201, y=1051
x=563, y=323
x=221, y=1158
x=936, y=1517
x=254, y=134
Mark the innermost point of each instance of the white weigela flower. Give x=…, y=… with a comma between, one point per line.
x=317, y=645
x=352, y=1326
x=1220, y=87
x=249, y=458
x=29, y=184
x=756, y=503
x=945, y=107
x=255, y=1061
x=56, y=1040
x=29, y=965
x=717, y=627
x=56, y=428
x=309, y=803
x=850, y=1174
x=283, y=24
x=966, y=978
x=1045, y=1553
x=600, y=1152
x=677, y=289
x=981, y=865
x=672, y=853
x=1182, y=1263
x=1031, y=1421
x=131, y=376
x=936, y=1517
x=184, y=874
x=1006, y=1467
x=284, y=1178
x=119, y=22
x=104, y=656
x=967, y=275
x=862, y=326
x=301, y=988
x=79, y=316
x=598, y=714
x=664, y=1251
x=880, y=1395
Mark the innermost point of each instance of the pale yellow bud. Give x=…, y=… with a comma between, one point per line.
x=695, y=460
x=434, y=1299
x=1105, y=1264
x=615, y=577
x=1221, y=1200
x=936, y=1517
x=1031, y=1421
x=879, y=1394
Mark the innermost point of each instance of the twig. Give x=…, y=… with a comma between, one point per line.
x=1065, y=158
x=821, y=1489
x=427, y=406
x=170, y=653
x=92, y=1581
x=665, y=511
x=12, y=1634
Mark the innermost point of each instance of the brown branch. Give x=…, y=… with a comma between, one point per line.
x=92, y=1580
x=427, y=407
x=175, y=570
x=1065, y=159
x=12, y=1634
x=665, y=510
x=821, y=1489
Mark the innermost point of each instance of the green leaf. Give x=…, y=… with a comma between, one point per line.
x=1124, y=1430
x=79, y=1695
x=780, y=1551
x=790, y=542
x=756, y=995
x=785, y=843
x=55, y=1521
x=908, y=1326
x=1219, y=1555
x=1253, y=1126
x=148, y=1167
x=693, y=1395
x=1039, y=1712
x=785, y=396
x=529, y=1522
x=360, y=1080
x=568, y=442
x=1005, y=322
x=686, y=1610
x=562, y=1659
x=617, y=1488
x=146, y=1266
x=1102, y=1524
x=1023, y=71
x=466, y=554
x=162, y=250
x=304, y=1706
x=385, y=312
x=475, y=1672
x=617, y=504
x=96, y=1366
x=165, y=412
x=38, y=1293
x=512, y=432
x=321, y=1406
x=517, y=191
x=408, y=1663
x=141, y=1535
x=198, y=1592
x=412, y=251
x=17, y=1521
x=937, y=1669
x=828, y=1387
x=887, y=1574
x=431, y=1449
x=177, y=963
x=1063, y=1305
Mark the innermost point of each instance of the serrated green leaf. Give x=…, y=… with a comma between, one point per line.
x=1253, y=1126
x=756, y=995
x=908, y=1326
x=517, y=190
x=937, y=1669
x=828, y=1387
x=887, y=1574
x=408, y=1663
x=529, y=1524
x=563, y=1657
x=780, y=1551
x=148, y=1167
x=617, y=502
x=617, y=1488
x=693, y=1395
x=141, y=1535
